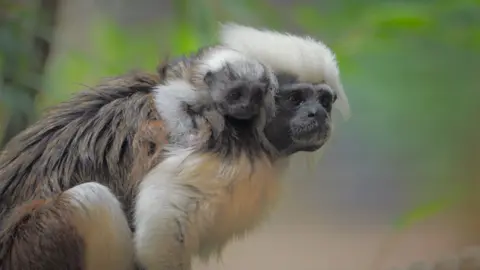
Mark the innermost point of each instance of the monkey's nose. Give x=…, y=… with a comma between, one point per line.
x=312, y=113
x=318, y=114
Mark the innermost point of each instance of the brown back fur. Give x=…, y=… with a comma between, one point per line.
x=23, y=245
x=98, y=133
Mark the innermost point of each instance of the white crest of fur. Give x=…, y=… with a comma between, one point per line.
x=308, y=59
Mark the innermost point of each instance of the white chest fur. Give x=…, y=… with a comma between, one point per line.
x=193, y=204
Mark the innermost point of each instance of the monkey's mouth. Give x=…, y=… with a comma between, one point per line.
x=240, y=112
x=311, y=133
x=241, y=123
x=306, y=129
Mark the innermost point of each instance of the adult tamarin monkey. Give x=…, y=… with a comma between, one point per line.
x=61, y=222
x=79, y=139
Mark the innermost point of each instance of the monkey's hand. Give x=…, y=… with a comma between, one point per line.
x=204, y=128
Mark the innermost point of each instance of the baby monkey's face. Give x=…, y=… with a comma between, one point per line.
x=242, y=90
x=303, y=118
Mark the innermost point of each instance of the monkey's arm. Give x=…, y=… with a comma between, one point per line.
x=162, y=216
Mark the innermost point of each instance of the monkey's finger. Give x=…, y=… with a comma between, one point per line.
x=215, y=123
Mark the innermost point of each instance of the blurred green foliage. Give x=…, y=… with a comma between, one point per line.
x=25, y=37
x=16, y=25
x=410, y=68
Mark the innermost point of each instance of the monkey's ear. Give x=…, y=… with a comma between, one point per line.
x=335, y=97
x=163, y=66
x=208, y=78
x=162, y=70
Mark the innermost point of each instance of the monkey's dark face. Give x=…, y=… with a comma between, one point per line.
x=242, y=91
x=303, y=118
x=241, y=99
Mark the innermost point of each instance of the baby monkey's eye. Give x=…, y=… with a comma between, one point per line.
x=208, y=78
x=235, y=93
x=296, y=97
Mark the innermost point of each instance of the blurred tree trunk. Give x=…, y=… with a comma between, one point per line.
x=26, y=31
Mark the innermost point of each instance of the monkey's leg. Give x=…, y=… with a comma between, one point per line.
x=84, y=228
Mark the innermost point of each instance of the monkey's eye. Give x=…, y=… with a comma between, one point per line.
x=296, y=97
x=326, y=99
x=235, y=94
x=208, y=78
